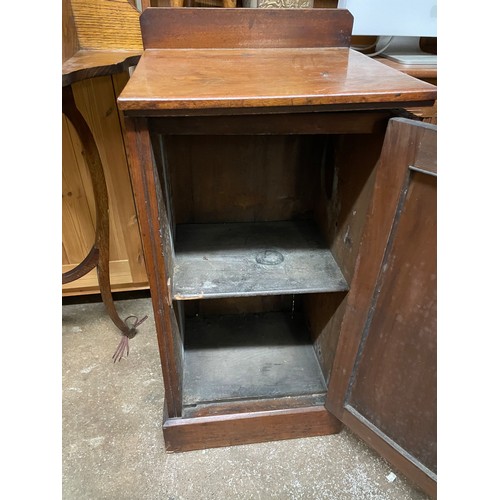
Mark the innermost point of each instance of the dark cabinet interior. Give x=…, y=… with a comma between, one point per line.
x=262, y=235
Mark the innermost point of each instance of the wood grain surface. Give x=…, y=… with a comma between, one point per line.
x=197, y=28
x=210, y=181
x=96, y=100
x=340, y=211
x=151, y=211
x=397, y=393
x=100, y=37
x=186, y=79
x=106, y=24
x=383, y=379
x=243, y=428
x=228, y=62
x=91, y=63
x=70, y=43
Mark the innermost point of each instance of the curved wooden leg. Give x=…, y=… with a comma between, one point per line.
x=99, y=254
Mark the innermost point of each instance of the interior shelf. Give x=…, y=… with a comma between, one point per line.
x=249, y=356
x=258, y=258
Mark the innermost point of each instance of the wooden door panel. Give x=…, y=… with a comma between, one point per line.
x=383, y=383
x=394, y=385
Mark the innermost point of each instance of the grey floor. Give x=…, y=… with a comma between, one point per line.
x=113, y=445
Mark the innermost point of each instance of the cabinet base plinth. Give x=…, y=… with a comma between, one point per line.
x=186, y=434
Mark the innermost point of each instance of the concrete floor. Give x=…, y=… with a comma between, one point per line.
x=113, y=444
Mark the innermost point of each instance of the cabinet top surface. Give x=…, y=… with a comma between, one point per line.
x=172, y=80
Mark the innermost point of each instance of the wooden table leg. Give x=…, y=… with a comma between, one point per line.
x=98, y=257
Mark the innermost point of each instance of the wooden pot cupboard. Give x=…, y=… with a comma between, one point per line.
x=288, y=223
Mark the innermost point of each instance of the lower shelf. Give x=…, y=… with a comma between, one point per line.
x=249, y=357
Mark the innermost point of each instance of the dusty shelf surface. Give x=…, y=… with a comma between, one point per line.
x=249, y=356
x=245, y=259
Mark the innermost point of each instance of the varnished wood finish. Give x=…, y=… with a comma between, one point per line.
x=402, y=336
x=244, y=428
x=315, y=77
x=226, y=66
x=258, y=58
x=105, y=24
x=383, y=380
x=207, y=28
x=70, y=43
x=150, y=210
x=426, y=73
x=382, y=212
x=90, y=64
x=100, y=37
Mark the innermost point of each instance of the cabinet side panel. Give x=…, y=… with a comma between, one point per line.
x=347, y=181
x=355, y=160
x=324, y=314
x=174, y=335
x=155, y=234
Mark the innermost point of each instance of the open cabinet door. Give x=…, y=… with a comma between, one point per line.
x=383, y=383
